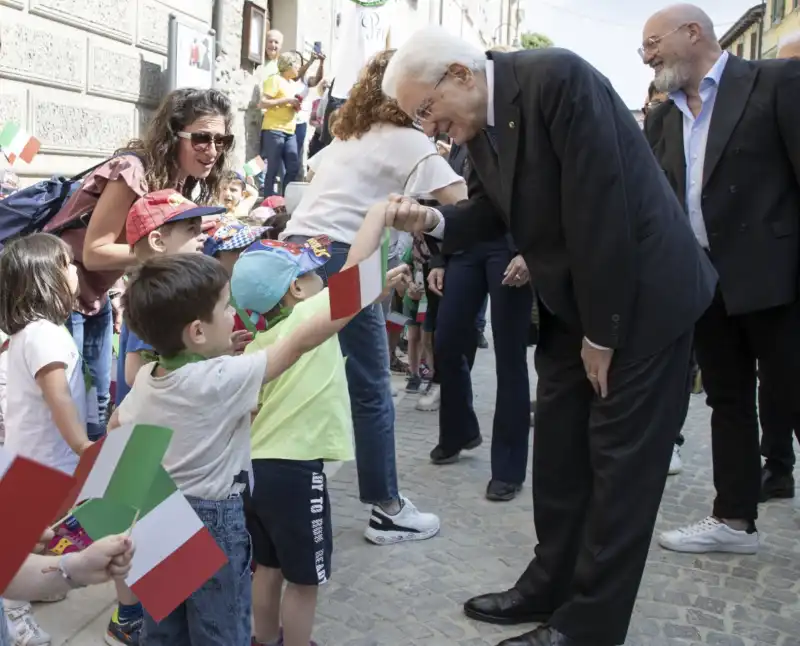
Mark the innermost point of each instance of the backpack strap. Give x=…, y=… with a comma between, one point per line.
x=245, y=318
x=89, y=171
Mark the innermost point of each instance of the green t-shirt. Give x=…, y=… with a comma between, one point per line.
x=305, y=413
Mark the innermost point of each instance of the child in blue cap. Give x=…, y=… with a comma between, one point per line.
x=303, y=420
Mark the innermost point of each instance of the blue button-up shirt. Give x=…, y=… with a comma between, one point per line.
x=695, y=137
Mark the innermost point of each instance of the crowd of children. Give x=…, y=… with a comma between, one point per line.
x=228, y=340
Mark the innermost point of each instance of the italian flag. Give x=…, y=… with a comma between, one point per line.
x=355, y=288
x=422, y=310
x=30, y=494
x=254, y=166
x=120, y=470
x=16, y=143
x=175, y=553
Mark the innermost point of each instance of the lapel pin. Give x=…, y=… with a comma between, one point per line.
x=512, y=125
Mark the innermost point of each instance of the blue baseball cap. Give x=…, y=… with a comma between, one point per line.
x=230, y=236
x=266, y=269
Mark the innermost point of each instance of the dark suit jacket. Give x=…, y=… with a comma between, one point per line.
x=751, y=180
x=609, y=249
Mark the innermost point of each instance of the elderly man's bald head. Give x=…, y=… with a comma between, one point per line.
x=680, y=45
x=789, y=47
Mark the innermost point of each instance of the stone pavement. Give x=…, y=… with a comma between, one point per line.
x=411, y=594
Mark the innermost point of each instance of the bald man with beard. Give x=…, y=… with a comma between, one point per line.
x=789, y=47
x=729, y=143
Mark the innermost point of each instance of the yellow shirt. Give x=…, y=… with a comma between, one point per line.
x=283, y=117
x=305, y=413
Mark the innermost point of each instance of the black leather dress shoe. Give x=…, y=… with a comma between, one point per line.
x=545, y=636
x=439, y=455
x=508, y=608
x=776, y=485
x=500, y=491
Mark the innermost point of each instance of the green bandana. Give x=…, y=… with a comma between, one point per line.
x=179, y=360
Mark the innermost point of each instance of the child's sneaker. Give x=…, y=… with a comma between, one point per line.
x=413, y=384
x=24, y=629
x=123, y=634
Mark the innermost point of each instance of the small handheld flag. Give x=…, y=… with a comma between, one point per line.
x=18, y=144
x=355, y=288
x=254, y=166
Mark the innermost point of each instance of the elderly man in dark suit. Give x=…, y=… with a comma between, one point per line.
x=729, y=143
x=559, y=158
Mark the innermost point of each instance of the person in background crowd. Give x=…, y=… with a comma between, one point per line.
x=238, y=195
x=272, y=50
x=777, y=423
x=377, y=151
x=303, y=87
x=727, y=116
x=185, y=148
x=280, y=105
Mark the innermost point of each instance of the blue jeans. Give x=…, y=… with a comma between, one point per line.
x=219, y=612
x=366, y=347
x=480, y=321
x=300, y=132
x=469, y=277
x=279, y=148
x=94, y=337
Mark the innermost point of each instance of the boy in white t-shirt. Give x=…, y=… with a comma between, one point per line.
x=180, y=305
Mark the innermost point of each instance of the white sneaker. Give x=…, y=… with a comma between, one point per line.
x=709, y=535
x=675, y=463
x=431, y=400
x=409, y=524
x=23, y=627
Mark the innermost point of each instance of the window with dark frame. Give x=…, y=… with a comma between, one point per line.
x=778, y=10
x=740, y=49
x=754, y=46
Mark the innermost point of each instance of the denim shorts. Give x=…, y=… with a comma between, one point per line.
x=219, y=612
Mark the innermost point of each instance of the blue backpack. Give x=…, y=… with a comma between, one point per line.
x=30, y=209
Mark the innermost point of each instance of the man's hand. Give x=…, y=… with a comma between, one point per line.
x=406, y=214
x=108, y=558
x=596, y=362
x=239, y=341
x=516, y=275
x=436, y=280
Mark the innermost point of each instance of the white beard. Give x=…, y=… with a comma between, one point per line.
x=671, y=79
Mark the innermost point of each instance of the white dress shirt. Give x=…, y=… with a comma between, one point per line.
x=695, y=138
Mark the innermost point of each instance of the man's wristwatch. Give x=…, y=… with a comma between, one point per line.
x=62, y=568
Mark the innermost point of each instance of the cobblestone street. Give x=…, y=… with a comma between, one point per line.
x=412, y=593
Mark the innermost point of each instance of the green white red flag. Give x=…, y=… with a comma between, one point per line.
x=355, y=288
x=30, y=497
x=18, y=144
x=254, y=166
x=175, y=553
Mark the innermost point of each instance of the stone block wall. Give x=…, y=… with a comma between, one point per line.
x=83, y=76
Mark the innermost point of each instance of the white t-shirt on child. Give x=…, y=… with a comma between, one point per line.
x=30, y=429
x=208, y=406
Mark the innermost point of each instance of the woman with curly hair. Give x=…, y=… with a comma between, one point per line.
x=185, y=148
x=377, y=151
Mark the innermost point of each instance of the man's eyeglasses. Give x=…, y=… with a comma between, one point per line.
x=651, y=44
x=202, y=140
x=423, y=112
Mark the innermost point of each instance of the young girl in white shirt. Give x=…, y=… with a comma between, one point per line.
x=45, y=412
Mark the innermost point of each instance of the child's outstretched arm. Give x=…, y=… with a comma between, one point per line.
x=284, y=354
x=52, y=381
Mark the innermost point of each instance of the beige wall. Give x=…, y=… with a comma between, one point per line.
x=745, y=41
x=774, y=32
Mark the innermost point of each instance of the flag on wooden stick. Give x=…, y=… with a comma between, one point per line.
x=175, y=552
x=355, y=288
x=254, y=167
x=17, y=143
x=30, y=497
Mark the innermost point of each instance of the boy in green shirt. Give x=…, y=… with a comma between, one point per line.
x=303, y=420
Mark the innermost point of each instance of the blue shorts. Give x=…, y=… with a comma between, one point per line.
x=219, y=612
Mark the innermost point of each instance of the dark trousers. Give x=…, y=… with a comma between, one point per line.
x=729, y=349
x=599, y=468
x=469, y=277
x=777, y=445
x=279, y=150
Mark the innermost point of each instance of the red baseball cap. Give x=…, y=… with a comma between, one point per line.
x=153, y=210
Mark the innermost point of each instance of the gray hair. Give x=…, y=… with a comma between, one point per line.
x=427, y=55
x=789, y=39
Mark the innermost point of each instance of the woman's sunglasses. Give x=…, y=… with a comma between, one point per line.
x=202, y=140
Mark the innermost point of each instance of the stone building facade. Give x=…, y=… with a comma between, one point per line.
x=84, y=76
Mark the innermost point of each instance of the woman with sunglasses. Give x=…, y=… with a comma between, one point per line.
x=184, y=148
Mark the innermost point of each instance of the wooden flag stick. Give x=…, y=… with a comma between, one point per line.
x=133, y=524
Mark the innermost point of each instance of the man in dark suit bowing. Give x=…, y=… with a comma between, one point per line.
x=729, y=143
x=621, y=280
